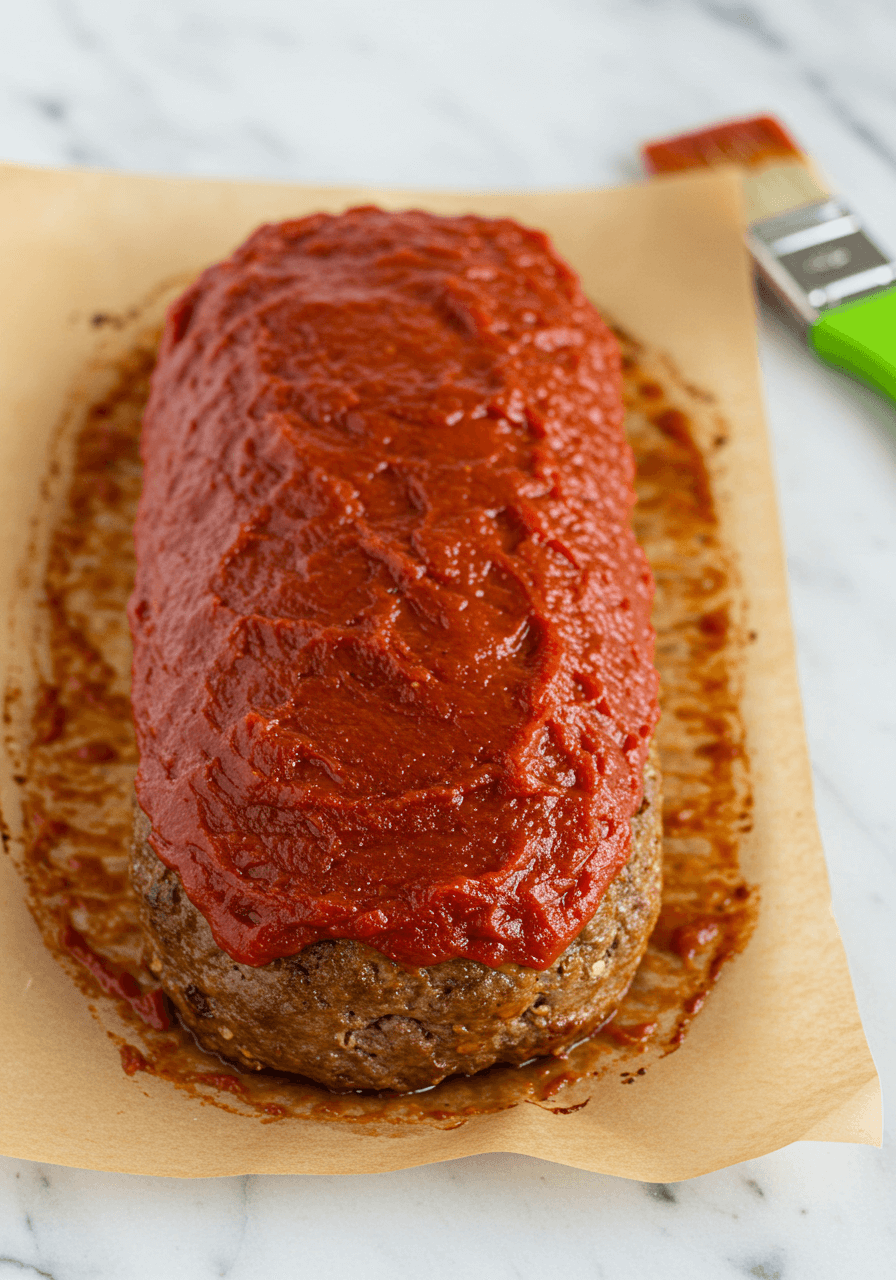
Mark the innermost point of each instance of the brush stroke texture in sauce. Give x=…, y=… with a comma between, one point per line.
x=393, y=662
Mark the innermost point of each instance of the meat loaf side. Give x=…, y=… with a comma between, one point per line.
x=342, y=1014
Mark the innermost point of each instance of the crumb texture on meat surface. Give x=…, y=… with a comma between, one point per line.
x=343, y=1014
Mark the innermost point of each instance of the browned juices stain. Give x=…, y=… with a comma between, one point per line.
x=77, y=760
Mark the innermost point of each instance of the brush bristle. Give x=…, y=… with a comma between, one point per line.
x=777, y=174
x=758, y=140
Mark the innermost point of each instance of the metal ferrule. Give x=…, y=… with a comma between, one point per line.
x=818, y=256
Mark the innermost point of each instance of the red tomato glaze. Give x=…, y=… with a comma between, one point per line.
x=393, y=673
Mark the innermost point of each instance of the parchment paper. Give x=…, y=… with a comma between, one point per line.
x=778, y=1054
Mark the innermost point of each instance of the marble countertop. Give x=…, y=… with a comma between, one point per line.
x=515, y=94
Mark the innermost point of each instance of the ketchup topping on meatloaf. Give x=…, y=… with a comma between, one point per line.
x=393, y=674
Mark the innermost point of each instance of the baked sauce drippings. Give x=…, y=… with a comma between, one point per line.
x=393, y=662
x=76, y=760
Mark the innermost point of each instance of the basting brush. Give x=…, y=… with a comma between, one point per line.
x=808, y=245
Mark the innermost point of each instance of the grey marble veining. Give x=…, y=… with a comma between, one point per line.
x=789, y=1216
x=481, y=92
x=522, y=93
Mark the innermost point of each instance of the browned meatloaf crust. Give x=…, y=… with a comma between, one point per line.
x=344, y=1015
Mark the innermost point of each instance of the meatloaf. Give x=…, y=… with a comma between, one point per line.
x=393, y=667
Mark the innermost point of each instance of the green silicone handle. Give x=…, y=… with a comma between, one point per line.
x=861, y=338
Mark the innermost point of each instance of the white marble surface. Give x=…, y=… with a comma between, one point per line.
x=526, y=93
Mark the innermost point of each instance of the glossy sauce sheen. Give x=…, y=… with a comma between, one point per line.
x=393, y=673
